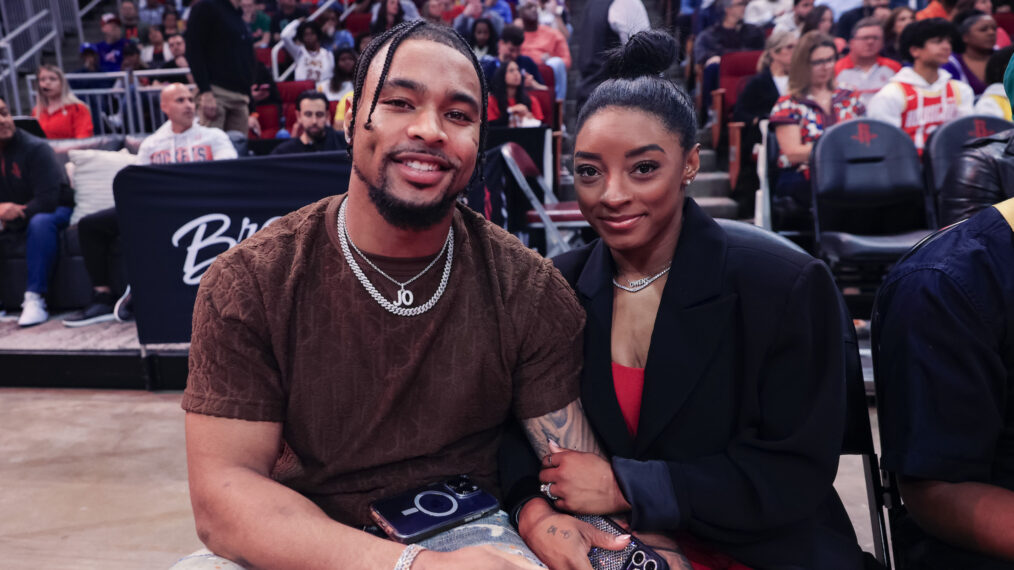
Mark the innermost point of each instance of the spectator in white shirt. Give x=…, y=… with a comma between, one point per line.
x=764, y=12
x=864, y=70
x=313, y=62
x=792, y=21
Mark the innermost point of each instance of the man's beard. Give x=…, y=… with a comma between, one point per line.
x=317, y=134
x=400, y=213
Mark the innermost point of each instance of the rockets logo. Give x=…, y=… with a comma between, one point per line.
x=863, y=135
x=980, y=129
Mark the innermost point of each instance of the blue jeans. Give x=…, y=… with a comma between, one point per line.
x=494, y=530
x=560, y=76
x=43, y=245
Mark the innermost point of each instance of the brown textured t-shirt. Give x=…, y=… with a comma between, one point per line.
x=373, y=404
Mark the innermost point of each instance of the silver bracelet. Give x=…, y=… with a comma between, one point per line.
x=408, y=557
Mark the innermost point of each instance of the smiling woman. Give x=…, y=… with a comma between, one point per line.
x=713, y=371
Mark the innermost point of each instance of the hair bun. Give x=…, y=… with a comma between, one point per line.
x=647, y=53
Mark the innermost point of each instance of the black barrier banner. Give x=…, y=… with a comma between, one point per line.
x=176, y=219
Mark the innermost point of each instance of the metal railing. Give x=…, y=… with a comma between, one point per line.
x=71, y=14
x=124, y=102
x=25, y=29
x=278, y=47
x=22, y=47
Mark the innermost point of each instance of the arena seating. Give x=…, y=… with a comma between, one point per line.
x=943, y=147
x=868, y=201
x=734, y=72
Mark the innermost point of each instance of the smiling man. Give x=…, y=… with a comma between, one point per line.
x=376, y=342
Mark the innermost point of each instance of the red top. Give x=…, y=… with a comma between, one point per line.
x=629, y=385
x=72, y=121
x=493, y=109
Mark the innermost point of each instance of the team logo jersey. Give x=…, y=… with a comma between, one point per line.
x=925, y=110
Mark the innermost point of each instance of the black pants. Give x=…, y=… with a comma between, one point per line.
x=97, y=233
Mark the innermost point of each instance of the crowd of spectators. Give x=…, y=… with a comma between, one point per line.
x=913, y=70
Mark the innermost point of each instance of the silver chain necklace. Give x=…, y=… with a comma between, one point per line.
x=641, y=284
x=405, y=297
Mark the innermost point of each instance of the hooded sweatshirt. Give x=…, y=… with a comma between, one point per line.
x=917, y=107
x=994, y=102
x=195, y=144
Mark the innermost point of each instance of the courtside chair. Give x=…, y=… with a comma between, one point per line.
x=868, y=203
x=944, y=146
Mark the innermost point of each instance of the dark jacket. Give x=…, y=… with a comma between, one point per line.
x=596, y=37
x=30, y=174
x=718, y=40
x=744, y=398
x=982, y=175
x=848, y=20
x=756, y=100
x=332, y=141
x=219, y=47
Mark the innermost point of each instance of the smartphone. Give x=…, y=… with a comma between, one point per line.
x=421, y=513
x=636, y=556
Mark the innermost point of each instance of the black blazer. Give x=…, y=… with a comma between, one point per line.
x=758, y=97
x=743, y=408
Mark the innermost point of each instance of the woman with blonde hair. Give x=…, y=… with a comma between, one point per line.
x=812, y=105
x=754, y=105
x=59, y=112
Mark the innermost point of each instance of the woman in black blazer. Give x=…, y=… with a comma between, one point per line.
x=714, y=367
x=754, y=104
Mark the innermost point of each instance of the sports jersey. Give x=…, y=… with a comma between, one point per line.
x=312, y=66
x=196, y=144
x=911, y=103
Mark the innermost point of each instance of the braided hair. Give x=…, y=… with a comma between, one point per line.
x=395, y=36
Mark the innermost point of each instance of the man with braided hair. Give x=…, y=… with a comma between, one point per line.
x=376, y=342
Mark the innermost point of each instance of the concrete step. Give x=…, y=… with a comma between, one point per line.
x=709, y=160
x=711, y=184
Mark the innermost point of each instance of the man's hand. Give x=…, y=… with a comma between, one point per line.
x=560, y=540
x=10, y=211
x=715, y=59
x=260, y=92
x=473, y=9
x=486, y=557
x=584, y=482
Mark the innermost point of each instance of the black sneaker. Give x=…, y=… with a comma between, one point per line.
x=124, y=310
x=100, y=310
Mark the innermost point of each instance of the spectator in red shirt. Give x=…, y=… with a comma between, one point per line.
x=545, y=45
x=507, y=91
x=60, y=113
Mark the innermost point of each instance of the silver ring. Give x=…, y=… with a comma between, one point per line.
x=544, y=489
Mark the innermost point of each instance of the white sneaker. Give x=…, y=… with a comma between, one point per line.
x=33, y=310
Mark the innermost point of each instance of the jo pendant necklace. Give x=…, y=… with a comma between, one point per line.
x=401, y=305
x=641, y=284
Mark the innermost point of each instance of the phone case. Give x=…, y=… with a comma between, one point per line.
x=636, y=556
x=421, y=513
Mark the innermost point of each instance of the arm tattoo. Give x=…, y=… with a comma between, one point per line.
x=566, y=426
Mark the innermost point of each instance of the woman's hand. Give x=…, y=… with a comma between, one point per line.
x=520, y=111
x=560, y=540
x=584, y=482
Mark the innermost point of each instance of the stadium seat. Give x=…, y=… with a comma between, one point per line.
x=734, y=71
x=263, y=55
x=943, y=147
x=270, y=121
x=529, y=199
x=289, y=90
x=358, y=23
x=1006, y=21
x=289, y=114
x=868, y=201
x=548, y=105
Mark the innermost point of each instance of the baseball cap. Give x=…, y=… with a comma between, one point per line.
x=110, y=18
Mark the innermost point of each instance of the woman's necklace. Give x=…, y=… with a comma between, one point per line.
x=405, y=297
x=641, y=284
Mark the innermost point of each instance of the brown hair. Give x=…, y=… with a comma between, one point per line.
x=799, y=69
